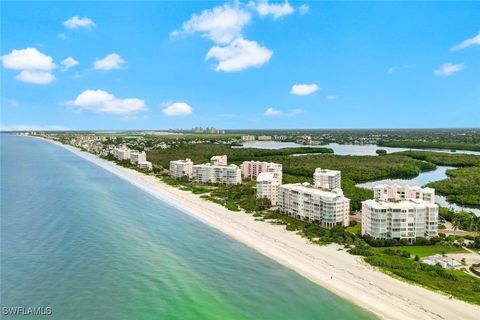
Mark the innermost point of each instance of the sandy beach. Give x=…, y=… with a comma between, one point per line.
x=344, y=274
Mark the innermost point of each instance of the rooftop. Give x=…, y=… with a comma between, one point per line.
x=402, y=204
x=308, y=188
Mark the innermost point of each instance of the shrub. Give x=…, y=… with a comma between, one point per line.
x=361, y=252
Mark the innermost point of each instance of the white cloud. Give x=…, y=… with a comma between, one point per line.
x=276, y=10
x=35, y=66
x=111, y=61
x=238, y=55
x=30, y=127
x=69, y=63
x=289, y=113
x=331, y=97
x=304, y=89
x=448, y=69
x=304, y=8
x=224, y=26
x=28, y=59
x=467, y=43
x=100, y=101
x=221, y=24
x=272, y=112
x=177, y=109
x=77, y=22
x=62, y=36
x=35, y=77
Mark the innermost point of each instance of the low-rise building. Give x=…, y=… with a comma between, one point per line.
x=145, y=165
x=181, y=168
x=306, y=202
x=252, y=169
x=248, y=138
x=264, y=138
x=268, y=184
x=218, y=174
x=445, y=262
x=327, y=179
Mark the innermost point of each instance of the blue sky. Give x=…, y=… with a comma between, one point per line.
x=158, y=65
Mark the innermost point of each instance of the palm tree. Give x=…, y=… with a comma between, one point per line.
x=455, y=222
x=476, y=223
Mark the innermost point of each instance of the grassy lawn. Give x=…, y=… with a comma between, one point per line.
x=355, y=229
x=425, y=251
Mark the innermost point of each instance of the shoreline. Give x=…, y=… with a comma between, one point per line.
x=337, y=271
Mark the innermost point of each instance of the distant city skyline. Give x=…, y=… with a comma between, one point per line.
x=239, y=65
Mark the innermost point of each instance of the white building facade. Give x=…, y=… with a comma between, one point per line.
x=405, y=219
x=327, y=179
x=252, y=169
x=136, y=157
x=218, y=174
x=248, y=138
x=219, y=160
x=400, y=212
x=397, y=192
x=121, y=153
x=181, y=168
x=305, y=202
x=268, y=184
x=145, y=165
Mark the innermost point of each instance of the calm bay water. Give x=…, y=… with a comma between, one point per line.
x=343, y=149
x=89, y=245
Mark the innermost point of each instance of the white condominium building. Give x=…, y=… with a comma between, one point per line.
x=400, y=219
x=219, y=160
x=303, y=201
x=267, y=186
x=264, y=138
x=208, y=173
x=396, y=192
x=327, y=179
x=252, y=169
x=121, y=153
x=248, y=138
x=181, y=168
x=137, y=157
x=145, y=165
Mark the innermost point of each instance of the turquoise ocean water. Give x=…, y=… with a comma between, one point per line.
x=89, y=245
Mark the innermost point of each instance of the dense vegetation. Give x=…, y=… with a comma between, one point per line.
x=460, y=220
x=425, y=251
x=462, y=186
x=444, y=159
x=453, y=282
x=201, y=153
x=430, y=145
